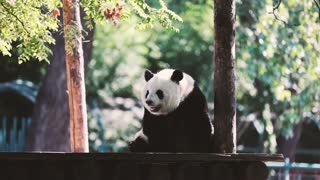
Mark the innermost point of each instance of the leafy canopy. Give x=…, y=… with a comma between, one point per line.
x=278, y=66
x=27, y=25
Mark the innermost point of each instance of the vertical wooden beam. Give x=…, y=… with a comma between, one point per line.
x=224, y=76
x=75, y=76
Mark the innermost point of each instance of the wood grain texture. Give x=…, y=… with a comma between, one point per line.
x=123, y=166
x=75, y=77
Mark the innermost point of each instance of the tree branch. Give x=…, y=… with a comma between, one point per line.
x=276, y=7
x=8, y=11
x=318, y=6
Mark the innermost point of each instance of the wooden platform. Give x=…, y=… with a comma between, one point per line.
x=133, y=166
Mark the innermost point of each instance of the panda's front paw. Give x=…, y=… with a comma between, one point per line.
x=138, y=145
x=140, y=142
x=132, y=147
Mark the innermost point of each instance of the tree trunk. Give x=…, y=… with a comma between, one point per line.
x=224, y=77
x=288, y=146
x=49, y=130
x=75, y=76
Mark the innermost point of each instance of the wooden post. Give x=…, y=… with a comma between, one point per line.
x=224, y=76
x=75, y=76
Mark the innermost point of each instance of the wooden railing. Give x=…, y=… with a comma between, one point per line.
x=12, y=133
x=134, y=166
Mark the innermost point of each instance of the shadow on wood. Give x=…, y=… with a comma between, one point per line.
x=140, y=166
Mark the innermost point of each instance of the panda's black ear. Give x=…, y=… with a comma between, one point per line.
x=177, y=76
x=148, y=75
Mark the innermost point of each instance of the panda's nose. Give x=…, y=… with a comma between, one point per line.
x=149, y=102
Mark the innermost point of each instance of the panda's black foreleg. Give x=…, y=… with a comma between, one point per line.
x=140, y=143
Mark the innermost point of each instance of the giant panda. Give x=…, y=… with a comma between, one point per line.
x=175, y=115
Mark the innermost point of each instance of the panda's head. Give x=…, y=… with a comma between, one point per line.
x=165, y=90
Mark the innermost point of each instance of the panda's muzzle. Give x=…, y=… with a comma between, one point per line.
x=154, y=108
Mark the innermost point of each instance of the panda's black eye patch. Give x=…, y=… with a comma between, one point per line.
x=147, y=94
x=159, y=94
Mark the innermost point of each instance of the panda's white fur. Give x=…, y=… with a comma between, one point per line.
x=174, y=93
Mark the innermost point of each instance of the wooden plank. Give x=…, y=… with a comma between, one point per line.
x=125, y=171
x=194, y=171
x=40, y=170
x=142, y=157
x=123, y=166
x=159, y=171
x=177, y=171
x=257, y=170
x=107, y=169
x=143, y=171
x=222, y=170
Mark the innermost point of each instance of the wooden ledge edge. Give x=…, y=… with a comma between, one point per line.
x=156, y=157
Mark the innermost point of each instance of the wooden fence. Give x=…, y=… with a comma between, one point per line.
x=12, y=133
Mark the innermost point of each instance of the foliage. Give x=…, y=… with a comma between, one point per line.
x=121, y=54
x=190, y=50
x=111, y=129
x=117, y=58
x=148, y=15
x=30, y=23
x=278, y=64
